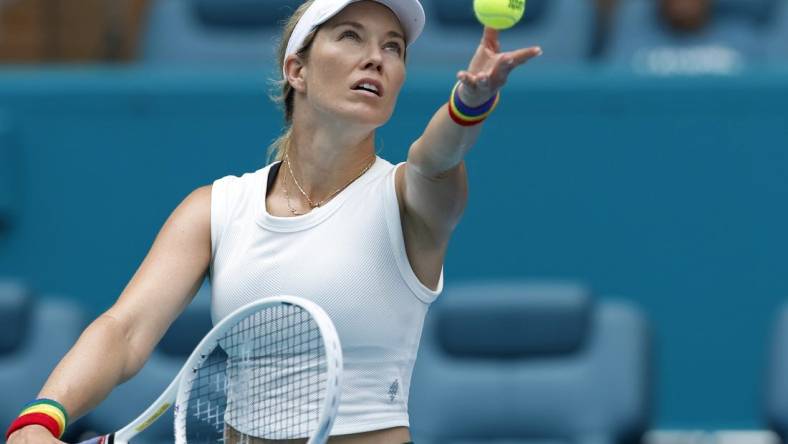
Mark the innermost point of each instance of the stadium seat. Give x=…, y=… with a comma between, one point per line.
x=214, y=32
x=733, y=39
x=452, y=32
x=36, y=334
x=239, y=14
x=130, y=399
x=8, y=174
x=246, y=32
x=776, y=385
x=524, y=362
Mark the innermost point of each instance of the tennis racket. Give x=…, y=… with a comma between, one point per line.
x=271, y=370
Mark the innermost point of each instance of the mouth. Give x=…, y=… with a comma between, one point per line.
x=369, y=87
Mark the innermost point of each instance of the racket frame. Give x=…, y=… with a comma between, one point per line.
x=178, y=386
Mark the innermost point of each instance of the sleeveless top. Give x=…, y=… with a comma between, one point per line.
x=349, y=257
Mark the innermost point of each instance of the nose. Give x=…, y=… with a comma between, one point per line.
x=374, y=59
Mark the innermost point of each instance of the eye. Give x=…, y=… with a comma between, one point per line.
x=396, y=47
x=349, y=33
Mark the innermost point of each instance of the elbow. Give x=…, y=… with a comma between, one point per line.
x=122, y=347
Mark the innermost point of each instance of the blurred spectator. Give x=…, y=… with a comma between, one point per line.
x=689, y=37
x=686, y=15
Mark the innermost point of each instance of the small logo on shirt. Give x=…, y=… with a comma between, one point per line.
x=393, y=390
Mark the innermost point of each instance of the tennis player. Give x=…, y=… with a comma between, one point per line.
x=329, y=220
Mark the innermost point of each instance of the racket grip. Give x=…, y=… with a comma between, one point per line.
x=104, y=439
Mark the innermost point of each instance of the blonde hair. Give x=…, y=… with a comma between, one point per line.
x=283, y=91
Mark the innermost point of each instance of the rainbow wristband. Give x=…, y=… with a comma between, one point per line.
x=44, y=412
x=465, y=115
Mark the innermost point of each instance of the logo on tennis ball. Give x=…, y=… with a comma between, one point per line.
x=499, y=14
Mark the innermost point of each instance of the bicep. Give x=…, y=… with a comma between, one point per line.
x=168, y=277
x=435, y=201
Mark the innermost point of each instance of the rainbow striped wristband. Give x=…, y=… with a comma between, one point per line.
x=44, y=412
x=465, y=115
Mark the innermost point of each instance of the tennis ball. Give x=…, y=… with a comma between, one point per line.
x=499, y=14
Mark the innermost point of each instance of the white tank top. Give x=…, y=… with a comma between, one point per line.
x=349, y=257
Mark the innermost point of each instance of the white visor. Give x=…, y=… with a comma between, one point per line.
x=409, y=12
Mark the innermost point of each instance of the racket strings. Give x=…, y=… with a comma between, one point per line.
x=266, y=379
x=277, y=336
x=266, y=397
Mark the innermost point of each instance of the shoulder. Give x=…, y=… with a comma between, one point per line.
x=380, y=179
x=384, y=172
x=232, y=184
x=231, y=193
x=195, y=209
x=201, y=194
x=200, y=198
x=231, y=197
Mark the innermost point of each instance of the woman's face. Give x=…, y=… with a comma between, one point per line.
x=364, y=43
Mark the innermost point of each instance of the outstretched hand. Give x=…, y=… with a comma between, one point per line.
x=490, y=68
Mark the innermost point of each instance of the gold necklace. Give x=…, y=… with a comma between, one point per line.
x=287, y=195
x=311, y=203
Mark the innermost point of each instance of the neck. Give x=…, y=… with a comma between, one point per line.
x=325, y=157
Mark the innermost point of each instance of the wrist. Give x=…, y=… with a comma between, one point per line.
x=464, y=114
x=469, y=99
x=45, y=413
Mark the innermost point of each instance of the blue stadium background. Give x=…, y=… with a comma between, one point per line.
x=648, y=164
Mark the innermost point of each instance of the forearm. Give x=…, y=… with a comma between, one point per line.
x=443, y=144
x=99, y=361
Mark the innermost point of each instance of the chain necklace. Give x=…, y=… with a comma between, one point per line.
x=287, y=195
x=311, y=203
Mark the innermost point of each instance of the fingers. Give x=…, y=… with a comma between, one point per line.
x=490, y=39
x=500, y=72
x=521, y=56
x=498, y=67
x=467, y=78
x=473, y=81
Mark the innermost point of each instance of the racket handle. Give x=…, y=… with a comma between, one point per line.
x=104, y=439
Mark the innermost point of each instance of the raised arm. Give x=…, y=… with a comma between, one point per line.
x=433, y=185
x=115, y=346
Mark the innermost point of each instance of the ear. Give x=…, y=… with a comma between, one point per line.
x=295, y=71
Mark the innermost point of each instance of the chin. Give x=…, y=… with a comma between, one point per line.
x=365, y=117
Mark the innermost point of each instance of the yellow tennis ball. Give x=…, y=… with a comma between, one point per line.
x=499, y=14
